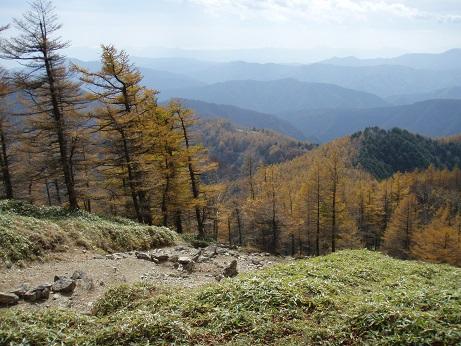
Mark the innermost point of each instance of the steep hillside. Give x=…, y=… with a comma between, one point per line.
x=279, y=95
x=431, y=118
x=383, y=153
x=235, y=148
x=243, y=117
x=347, y=298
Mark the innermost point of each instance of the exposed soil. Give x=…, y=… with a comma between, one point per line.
x=101, y=272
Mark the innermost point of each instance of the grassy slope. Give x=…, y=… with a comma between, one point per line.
x=28, y=232
x=351, y=297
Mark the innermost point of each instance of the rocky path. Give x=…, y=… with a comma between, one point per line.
x=80, y=277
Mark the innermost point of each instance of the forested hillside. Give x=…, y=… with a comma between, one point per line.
x=239, y=150
x=323, y=201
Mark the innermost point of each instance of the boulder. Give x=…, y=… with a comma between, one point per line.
x=159, y=258
x=197, y=255
x=174, y=258
x=21, y=291
x=143, y=256
x=184, y=260
x=231, y=270
x=78, y=275
x=7, y=299
x=189, y=267
x=41, y=292
x=63, y=285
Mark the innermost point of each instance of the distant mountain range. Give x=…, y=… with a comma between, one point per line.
x=278, y=96
x=446, y=93
x=243, y=117
x=432, y=118
x=403, y=75
x=449, y=60
x=156, y=79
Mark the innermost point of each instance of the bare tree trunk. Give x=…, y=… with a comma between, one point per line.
x=48, y=195
x=178, y=222
x=5, y=166
x=58, y=192
x=317, y=229
x=193, y=181
x=239, y=226
x=59, y=122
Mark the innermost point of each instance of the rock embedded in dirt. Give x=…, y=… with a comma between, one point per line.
x=63, y=285
x=231, y=270
x=7, y=299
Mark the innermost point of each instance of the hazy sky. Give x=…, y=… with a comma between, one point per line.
x=340, y=27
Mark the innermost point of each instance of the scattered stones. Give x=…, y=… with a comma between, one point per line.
x=63, y=284
x=7, y=299
x=231, y=270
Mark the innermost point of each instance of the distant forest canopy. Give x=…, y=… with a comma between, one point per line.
x=127, y=155
x=383, y=153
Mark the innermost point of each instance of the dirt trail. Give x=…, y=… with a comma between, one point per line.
x=101, y=272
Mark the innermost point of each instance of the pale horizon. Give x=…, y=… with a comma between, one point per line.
x=298, y=31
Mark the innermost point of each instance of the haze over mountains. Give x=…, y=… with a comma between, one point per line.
x=319, y=101
x=430, y=118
